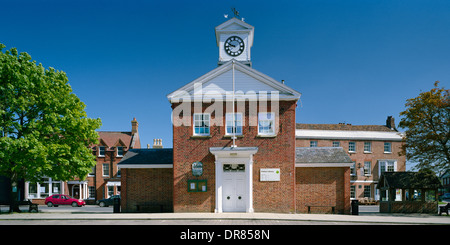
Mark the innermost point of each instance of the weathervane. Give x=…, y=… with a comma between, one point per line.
x=235, y=12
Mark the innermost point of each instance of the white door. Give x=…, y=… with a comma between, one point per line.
x=234, y=196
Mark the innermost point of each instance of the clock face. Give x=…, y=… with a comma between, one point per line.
x=234, y=46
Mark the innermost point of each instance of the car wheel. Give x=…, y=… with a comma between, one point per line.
x=49, y=204
x=102, y=204
x=74, y=204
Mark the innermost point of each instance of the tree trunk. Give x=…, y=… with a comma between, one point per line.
x=14, y=195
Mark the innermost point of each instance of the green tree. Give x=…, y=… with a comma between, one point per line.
x=44, y=130
x=427, y=123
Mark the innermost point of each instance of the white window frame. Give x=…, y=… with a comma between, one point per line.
x=103, y=169
x=238, y=123
x=91, y=192
x=367, y=168
x=354, y=146
x=92, y=173
x=48, y=185
x=386, y=165
x=389, y=144
x=262, y=117
x=367, y=147
x=336, y=144
x=353, y=169
x=204, y=122
x=313, y=143
x=117, y=151
x=99, y=151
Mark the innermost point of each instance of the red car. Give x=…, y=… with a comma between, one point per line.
x=59, y=199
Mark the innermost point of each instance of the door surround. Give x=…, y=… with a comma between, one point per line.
x=234, y=155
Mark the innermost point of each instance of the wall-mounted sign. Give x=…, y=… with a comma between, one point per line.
x=197, y=169
x=269, y=174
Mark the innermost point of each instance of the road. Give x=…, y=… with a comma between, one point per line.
x=92, y=209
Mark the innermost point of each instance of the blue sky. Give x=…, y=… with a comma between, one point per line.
x=353, y=61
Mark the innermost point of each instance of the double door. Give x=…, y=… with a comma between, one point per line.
x=234, y=195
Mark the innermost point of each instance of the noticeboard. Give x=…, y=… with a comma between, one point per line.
x=197, y=186
x=269, y=174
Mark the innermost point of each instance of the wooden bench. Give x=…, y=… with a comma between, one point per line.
x=32, y=206
x=444, y=209
x=322, y=206
x=150, y=208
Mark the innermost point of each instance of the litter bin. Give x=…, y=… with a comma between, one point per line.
x=355, y=210
x=116, y=204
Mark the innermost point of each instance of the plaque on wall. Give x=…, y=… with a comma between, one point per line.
x=269, y=174
x=197, y=169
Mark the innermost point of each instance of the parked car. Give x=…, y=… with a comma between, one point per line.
x=108, y=201
x=446, y=196
x=59, y=199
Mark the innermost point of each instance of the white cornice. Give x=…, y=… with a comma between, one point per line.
x=348, y=134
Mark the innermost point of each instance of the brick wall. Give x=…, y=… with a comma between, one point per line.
x=323, y=187
x=147, y=190
x=274, y=152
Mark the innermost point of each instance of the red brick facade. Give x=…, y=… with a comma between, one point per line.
x=291, y=194
x=363, y=182
x=273, y=152
x=323, y=188
x=166, y=189
x=147, y=190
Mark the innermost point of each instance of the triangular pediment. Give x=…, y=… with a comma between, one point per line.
x=248, y=83
x=234, y=25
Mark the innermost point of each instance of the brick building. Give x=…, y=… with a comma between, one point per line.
x=103, y=181
x=234, y=146
x=373, y=149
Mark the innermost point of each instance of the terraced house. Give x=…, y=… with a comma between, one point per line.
x=373, y=149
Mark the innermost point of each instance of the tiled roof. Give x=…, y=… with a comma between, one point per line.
x=147, y=156
x=112, y=138
x=321, y=155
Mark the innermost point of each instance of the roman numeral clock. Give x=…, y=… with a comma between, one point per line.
x=234, y=39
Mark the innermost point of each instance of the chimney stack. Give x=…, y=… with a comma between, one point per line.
x=157, y=144
x=134, y=126
x=390, y=123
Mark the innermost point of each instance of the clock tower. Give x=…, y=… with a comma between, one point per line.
x=234, y=39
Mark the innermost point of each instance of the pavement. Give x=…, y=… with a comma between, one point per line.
x=363, y=217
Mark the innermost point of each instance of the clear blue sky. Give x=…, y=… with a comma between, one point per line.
x=353, y=61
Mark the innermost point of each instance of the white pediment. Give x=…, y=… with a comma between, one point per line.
x=248, y=83
x=234, y=25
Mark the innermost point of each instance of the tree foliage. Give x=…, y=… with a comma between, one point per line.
x=44, y=130
x=427, y=123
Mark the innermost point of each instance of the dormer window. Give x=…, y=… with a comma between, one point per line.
x=119, y=151
x=101, y=151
